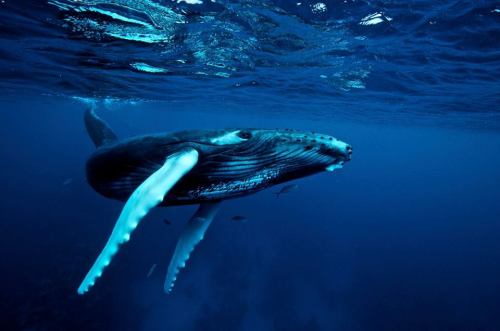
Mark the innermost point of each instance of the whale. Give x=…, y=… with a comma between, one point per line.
x=197, y=167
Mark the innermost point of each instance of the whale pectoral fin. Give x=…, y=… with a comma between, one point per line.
x=148, y=195
x=191, y=235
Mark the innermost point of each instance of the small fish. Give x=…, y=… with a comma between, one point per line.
x=167, y=221
x=151, y=270
x=67, y=181
x=239, y=218
x=286, y=189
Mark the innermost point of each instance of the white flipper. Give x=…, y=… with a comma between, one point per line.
x=148, y=195
x=191, y=235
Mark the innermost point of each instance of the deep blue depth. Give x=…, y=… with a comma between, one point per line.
x=404, y=237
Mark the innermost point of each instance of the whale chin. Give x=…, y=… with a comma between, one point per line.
x=334, y=166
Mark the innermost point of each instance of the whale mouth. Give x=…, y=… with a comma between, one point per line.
x=341, y=159
x=334, y=166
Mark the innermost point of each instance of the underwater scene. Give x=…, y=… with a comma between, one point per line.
x=250, y=165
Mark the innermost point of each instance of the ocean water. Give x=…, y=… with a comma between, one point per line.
x=404, y=237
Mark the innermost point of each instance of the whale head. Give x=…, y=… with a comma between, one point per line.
x=293, y=154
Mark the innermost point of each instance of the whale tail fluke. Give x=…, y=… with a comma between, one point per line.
x=98, y=130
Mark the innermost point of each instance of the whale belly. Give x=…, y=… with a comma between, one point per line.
x=196, y=190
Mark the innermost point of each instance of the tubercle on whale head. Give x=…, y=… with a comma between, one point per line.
x=314, y=138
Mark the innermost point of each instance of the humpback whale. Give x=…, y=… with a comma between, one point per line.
x=195, y=167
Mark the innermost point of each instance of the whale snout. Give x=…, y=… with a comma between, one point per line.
x=338, y=150
x=348, y=152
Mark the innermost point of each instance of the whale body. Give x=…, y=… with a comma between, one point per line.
x=196, y=167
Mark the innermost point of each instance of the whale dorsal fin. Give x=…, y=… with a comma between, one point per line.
x=191, y=235
x=98, y=130
x=148, y=195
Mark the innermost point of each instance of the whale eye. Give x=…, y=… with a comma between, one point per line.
x=243, y=134
x=230, y=138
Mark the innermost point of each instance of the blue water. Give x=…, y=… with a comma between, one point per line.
x=404, y=237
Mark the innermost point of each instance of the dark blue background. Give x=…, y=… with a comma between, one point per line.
x=404, y=237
